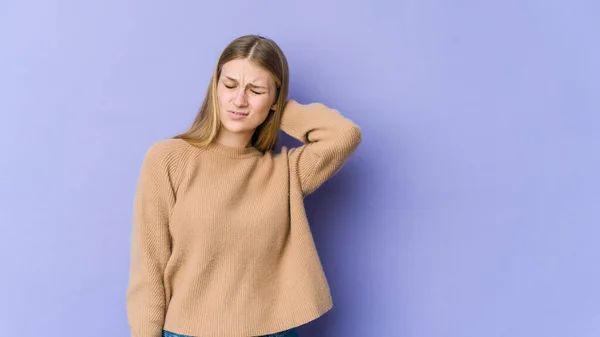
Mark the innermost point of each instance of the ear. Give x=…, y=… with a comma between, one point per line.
x=274, y=106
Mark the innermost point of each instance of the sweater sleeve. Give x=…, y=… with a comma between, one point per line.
x=150, y=243
x=329, y=140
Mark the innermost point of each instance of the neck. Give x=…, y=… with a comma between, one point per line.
x=237, y=140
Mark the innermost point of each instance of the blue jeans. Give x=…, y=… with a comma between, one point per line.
x=287, y=333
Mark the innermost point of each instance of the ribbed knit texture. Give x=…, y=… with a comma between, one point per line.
x=221, y=246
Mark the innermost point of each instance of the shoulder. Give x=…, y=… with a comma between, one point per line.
x=167, y=153
x=168, y=146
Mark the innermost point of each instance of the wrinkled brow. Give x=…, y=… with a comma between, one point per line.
x=249, y=84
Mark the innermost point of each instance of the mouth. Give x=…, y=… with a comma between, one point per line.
x=238, y=113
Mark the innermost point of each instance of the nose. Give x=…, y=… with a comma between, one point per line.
x=240, y=99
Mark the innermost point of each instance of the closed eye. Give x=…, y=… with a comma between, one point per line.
x=233, y=86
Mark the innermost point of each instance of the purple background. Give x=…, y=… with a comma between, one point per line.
x=471, y=209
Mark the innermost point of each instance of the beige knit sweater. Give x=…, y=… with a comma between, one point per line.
x=221, y=245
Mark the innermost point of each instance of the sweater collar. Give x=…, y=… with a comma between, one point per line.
x=232, y=152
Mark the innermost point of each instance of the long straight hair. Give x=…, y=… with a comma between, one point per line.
x=263, y=52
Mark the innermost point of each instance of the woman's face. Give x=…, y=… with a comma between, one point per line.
x=246, y=93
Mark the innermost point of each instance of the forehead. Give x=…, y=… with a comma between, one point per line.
x=246, y=71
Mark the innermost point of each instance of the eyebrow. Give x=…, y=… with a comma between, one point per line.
x=249, y=84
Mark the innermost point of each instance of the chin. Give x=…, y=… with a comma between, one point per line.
x=234, y=128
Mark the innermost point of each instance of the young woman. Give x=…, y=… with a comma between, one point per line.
x=221, y=245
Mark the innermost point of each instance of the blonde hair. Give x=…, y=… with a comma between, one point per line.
x=263, y=52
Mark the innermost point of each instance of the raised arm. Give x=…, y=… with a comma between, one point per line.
x=329, y=139
x=150, y=242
